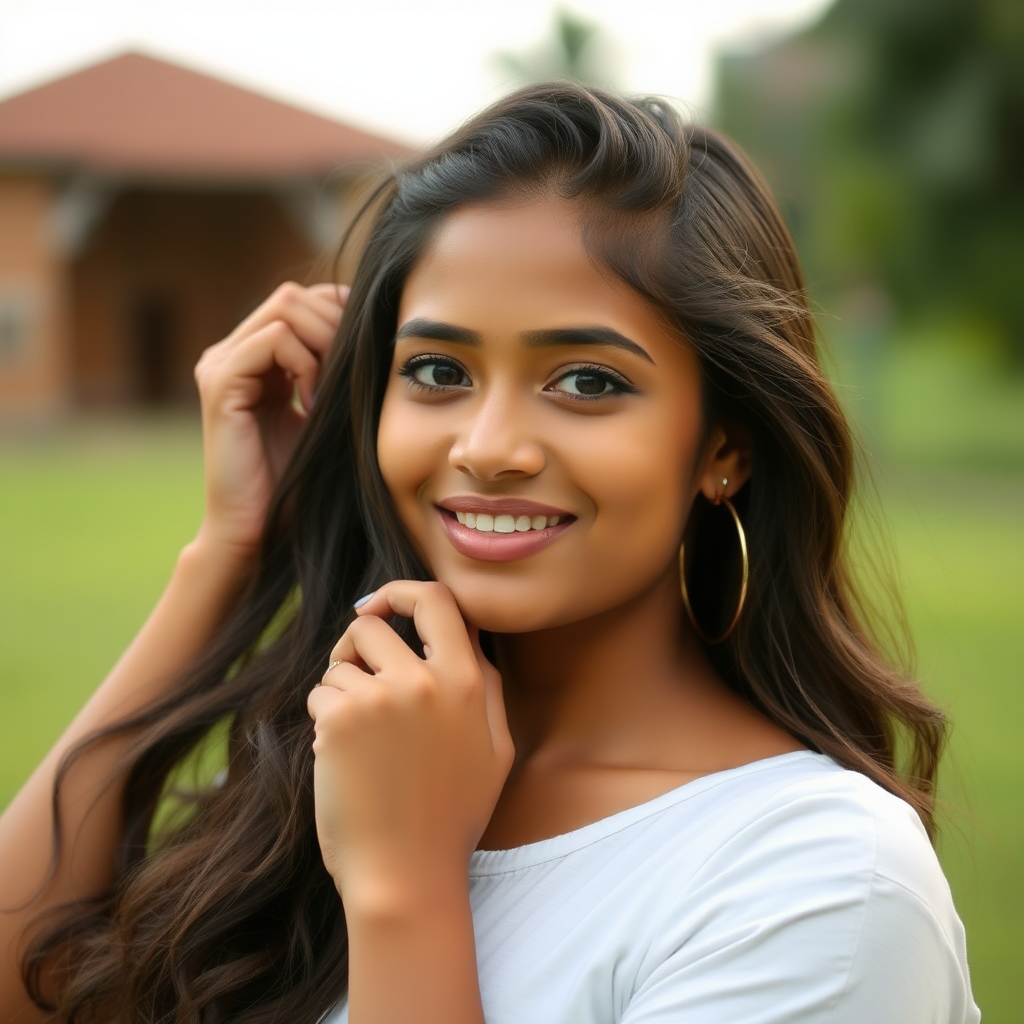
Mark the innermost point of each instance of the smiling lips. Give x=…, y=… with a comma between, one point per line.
x=501, y=531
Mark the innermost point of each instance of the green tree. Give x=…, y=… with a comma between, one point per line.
x=895, y=133
x=576, y=48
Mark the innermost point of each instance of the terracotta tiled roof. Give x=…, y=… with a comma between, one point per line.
x=138, y=115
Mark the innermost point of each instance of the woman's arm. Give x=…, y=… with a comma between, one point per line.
x=250, y=426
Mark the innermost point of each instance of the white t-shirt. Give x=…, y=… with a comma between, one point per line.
x=787, y=891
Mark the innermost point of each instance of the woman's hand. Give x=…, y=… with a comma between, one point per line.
x=411, y=753
x=251, y=422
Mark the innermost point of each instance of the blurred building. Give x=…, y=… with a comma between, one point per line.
x=144, y=210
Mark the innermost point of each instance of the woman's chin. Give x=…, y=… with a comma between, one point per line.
x=497, y=616
x=493, y=620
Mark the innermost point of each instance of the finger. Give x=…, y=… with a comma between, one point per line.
x=312, y=314
x=494, y=696
x=319, y=698
x=347, y=677
x=314, y=321
x=433, y=610
x=329, y=306
x=370, y=641
x=340, y=680
x=290, y=299
x=274, y=347
x=221, y=365
x=329, y=302
x=335, y=295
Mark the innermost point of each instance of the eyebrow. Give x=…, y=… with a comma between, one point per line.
x=435, y=330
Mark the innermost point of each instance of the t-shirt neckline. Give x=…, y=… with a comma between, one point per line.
x=496, y=862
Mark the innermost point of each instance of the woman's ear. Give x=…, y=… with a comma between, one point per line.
x=728, y=463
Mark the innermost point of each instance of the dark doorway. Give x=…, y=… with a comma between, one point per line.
x=156, y=325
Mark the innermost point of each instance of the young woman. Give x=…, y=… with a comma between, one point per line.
x=547, y=691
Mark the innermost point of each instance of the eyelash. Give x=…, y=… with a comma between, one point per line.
x=409, y=368
x=620, y=386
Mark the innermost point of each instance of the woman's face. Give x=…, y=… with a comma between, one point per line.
x=541, y=426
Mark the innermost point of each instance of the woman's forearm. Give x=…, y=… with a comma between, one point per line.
x=414, y=959
x=409, y=762
x=202, y=588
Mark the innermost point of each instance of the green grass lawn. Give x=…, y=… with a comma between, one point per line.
x=962, y=549
x=91, y=519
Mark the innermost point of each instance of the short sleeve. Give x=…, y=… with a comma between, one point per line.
x=826, y=910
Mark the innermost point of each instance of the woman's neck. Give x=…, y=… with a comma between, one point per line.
x=608, y=713
x=630, y=688
x=588, y=688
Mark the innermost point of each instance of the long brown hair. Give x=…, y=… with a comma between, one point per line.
x=226, y=913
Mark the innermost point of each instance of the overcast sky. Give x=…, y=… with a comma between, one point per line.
x=409, y=68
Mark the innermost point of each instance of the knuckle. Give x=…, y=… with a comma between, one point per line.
x=204, y=365
x=278, y=332
x=421, y=686
x=334, y=719
x=374, y=700
x=358, y=627
x=287, y=293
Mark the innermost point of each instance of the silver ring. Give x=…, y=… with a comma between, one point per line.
x=333, y=664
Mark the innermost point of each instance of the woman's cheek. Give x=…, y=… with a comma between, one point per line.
x=406, y=455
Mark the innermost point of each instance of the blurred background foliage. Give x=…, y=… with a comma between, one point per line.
x=576, y=47
x=892, y=132
x=894, y=136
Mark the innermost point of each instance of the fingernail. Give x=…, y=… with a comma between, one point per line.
x=364, y=599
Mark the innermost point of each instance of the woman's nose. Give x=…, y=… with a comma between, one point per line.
x=497, y=440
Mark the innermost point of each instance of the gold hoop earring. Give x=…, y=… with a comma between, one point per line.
x=721, y=499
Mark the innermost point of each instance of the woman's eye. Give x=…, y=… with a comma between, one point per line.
x=591, y=382
x=435, y=373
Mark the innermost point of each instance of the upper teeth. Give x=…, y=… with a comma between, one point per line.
x=486, y=523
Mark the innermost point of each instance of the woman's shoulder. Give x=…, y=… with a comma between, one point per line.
x=816, y=873
x=791, y=872
x=795, y=804
x=804, y=812
x=799, y=795
x=792, y=834
x=794, y=820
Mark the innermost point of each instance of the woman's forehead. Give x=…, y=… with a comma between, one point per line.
x=506, y=274
x=523, y=256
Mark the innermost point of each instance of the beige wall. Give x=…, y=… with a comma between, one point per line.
x=163, y=271
x=34, y=372
x=172, y=272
